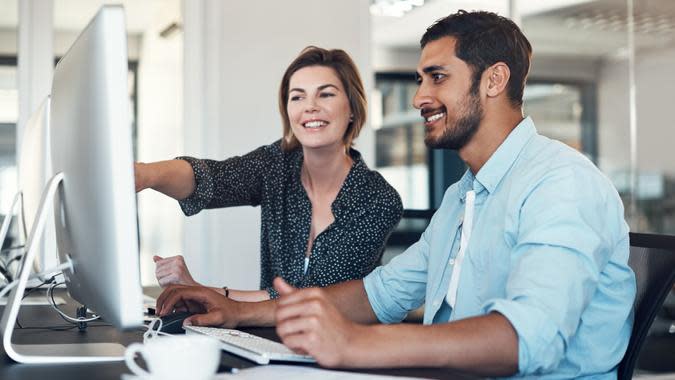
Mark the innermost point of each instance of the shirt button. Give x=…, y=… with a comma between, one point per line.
x=451, y=262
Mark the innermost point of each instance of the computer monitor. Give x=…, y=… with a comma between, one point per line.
x=34, y=169
x=92, y=192
x=95, y=209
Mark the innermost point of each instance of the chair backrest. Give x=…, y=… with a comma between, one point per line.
x=652, y=258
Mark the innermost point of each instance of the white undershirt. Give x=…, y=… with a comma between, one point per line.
x=467, y=225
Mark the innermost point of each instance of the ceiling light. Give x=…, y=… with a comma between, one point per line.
x=393, y=8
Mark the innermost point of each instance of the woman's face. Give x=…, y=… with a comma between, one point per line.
x=318, y=107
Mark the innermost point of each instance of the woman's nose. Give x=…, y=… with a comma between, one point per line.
x=311, y=106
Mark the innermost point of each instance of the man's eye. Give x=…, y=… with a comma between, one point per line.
x=437, y=77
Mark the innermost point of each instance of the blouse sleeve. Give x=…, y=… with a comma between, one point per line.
x=236, y=181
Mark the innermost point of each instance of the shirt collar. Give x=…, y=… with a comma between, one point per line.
x=355, y=180
x=502, y=159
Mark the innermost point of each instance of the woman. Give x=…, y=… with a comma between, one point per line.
x=325, y=215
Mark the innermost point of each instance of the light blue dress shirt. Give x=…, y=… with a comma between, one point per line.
x=548, y=250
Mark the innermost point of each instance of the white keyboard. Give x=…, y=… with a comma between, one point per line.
x=252, y=347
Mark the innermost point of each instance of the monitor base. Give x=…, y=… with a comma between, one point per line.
x=67, y=353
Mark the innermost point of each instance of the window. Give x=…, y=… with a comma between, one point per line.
x=400, y=154
x=564, y=111
x=9, y=110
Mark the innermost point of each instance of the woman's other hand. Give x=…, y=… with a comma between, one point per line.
x=173, y=270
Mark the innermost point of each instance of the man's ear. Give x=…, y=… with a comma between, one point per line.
x=497, y=78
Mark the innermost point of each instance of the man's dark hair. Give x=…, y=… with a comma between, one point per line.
x=483, y=39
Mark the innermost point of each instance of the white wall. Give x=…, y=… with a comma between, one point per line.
x=235, y=55
x=160, y=129
x=655, y=84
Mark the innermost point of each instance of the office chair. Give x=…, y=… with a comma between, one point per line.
x=652, y=258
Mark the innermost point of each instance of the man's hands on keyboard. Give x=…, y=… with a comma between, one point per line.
x=211, y=307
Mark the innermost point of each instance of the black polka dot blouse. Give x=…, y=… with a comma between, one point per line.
x=366, y=210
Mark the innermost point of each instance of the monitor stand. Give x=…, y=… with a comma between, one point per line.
x=47, y=353
x=4, y=230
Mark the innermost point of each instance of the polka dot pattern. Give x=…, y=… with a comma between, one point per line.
x=366, y=210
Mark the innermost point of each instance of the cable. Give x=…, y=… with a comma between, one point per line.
x=29, y=291
x=5, y=274
x=4, y=266
x=14, y=248
x=45, y=282
x=152, y=332
x=66, y=317
x=9, y=262
x=14, y=283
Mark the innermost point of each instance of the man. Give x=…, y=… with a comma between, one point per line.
x=523, y=269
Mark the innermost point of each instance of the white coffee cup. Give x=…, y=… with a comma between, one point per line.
x=177, y=357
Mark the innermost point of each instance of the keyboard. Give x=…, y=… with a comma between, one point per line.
x=252, y=347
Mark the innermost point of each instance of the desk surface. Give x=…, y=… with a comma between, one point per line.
x=36, y=321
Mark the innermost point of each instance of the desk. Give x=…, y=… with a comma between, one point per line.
x=35, y=318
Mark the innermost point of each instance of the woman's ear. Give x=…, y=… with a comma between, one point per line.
x=497, y=79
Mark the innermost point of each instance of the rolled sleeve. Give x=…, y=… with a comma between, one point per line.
x=203, y=193
x=399, y=287
x=546, y=294
x=540, y=346
x=380, y=299
x=236, y=181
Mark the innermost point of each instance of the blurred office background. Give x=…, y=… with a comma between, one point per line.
x=203, y=79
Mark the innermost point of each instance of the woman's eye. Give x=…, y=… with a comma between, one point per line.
x=326, y=94
x=294, y=98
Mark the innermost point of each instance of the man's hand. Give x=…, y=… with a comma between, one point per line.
x=213, y=308
x=173, y=270
x=308, y=323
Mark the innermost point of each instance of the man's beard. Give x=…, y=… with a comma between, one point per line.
x=457, y=133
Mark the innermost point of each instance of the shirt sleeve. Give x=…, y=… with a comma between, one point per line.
x=399, y=287
x=568, y=230
x=236, y=181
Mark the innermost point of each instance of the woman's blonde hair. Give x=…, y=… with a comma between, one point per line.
x=346, y=70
